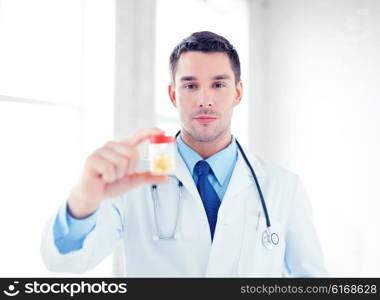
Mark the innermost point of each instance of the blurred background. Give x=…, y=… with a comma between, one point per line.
x=77, y=73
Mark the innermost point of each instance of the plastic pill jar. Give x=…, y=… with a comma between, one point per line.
x=162, y=154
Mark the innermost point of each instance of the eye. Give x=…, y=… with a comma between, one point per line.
x=190, y=86
x=219, y=85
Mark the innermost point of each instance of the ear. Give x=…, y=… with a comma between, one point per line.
x=172, y=95
x=238, y=93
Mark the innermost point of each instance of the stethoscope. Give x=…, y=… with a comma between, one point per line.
x=269, y=239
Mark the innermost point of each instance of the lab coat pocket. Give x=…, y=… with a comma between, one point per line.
x=256, y=258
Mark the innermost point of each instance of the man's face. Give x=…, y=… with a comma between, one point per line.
x=205, y=94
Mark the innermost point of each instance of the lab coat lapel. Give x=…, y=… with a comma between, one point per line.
x=183, y=174
x=242, y=176
x=241, y=201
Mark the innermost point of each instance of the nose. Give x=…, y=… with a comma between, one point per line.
x=205, y=98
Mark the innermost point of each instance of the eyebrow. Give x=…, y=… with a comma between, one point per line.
x=188, y=78
x=220, y=77
x=217, y=77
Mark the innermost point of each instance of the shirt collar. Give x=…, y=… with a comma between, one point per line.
x=220, y=163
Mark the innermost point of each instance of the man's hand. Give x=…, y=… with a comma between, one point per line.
x=109, y=172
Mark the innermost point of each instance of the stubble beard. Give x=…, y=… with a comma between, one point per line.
x=206, y=139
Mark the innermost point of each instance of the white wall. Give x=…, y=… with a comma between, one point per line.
x=315, y=110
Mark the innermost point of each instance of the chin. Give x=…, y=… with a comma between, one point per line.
x=205, y=134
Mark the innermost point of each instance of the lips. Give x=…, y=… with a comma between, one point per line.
x=205, y=119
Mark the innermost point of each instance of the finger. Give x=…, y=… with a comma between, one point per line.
x=120, y=147
x=143, y=134
x=130, y=182
x=129, y=152
x=133, y=162
x=137, y=179
x=102, y=167
x=119, y=161
x=132, y=154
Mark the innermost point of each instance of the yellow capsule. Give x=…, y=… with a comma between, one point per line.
x=162, y=164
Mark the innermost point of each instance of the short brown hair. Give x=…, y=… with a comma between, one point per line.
x=207, y=42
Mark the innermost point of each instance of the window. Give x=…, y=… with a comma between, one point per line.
x=44, y=117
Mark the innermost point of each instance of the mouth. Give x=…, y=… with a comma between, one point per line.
x=205, y=119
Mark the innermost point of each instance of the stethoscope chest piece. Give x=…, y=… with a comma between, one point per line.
x=270, y=239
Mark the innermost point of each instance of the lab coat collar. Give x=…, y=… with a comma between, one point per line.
x=255, y=162
x=222, y=162
x=183, y=175
x=242, y=176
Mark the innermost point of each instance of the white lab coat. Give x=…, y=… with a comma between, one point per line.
x=237, y=249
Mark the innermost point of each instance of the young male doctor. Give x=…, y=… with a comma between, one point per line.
x=207, y=220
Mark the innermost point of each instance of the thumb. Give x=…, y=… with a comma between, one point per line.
x=137, y=179
x=131, y=181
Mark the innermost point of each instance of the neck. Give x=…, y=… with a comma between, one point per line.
x=207, y=149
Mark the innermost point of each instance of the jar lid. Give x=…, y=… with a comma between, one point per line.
x=160, y=139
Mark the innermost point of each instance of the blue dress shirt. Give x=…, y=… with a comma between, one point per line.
x=69, y=232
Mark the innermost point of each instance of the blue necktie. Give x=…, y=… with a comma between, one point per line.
x=210, y=199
